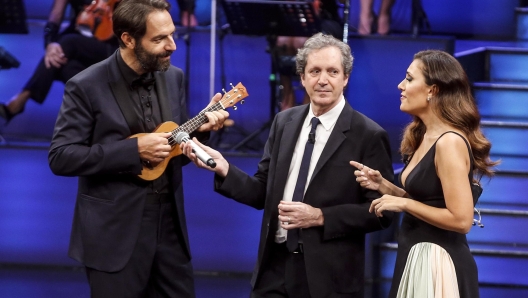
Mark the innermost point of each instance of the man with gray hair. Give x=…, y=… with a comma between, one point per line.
x=312, y=241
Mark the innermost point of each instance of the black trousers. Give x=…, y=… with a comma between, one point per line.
x=284, y=275
x=159, y=266
x=81, y=52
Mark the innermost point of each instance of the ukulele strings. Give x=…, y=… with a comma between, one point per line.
x=194, y=123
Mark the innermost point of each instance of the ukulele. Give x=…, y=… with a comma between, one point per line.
x=96, y=19
x=150, y=172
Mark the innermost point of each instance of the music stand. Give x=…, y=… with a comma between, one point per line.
x=13, y=17
x=270, y=19
x=419, y=18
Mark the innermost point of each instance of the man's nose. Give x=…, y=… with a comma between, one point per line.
x=323, y=79
x=171, y=45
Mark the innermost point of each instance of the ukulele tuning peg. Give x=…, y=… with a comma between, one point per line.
x=232, y=86
x=235, y=108
x=242, y=102
x=223, y=90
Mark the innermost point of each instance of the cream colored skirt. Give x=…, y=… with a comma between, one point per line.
x=429, y=273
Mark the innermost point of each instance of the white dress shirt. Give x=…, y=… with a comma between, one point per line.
x=322, y=133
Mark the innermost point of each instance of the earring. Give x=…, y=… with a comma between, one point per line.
x=478, y=222
x=428, y=98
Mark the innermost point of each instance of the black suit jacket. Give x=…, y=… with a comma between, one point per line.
x=334, y=253
x=90, y=140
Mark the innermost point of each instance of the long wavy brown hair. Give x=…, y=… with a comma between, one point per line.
x=454, y=104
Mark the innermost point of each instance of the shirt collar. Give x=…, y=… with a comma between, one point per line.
x=329, y=118
x=128, y=73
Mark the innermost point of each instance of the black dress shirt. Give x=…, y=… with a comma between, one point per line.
x=145, y=101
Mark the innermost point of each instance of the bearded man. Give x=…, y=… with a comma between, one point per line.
x=130, y=234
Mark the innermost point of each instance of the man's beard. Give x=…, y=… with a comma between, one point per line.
x=151, y=62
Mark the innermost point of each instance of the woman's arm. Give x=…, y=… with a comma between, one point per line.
x=452, y=166
x=51, y=30
x=372, y=179
x=57, y=11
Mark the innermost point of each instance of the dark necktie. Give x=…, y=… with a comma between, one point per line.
x=292, y=241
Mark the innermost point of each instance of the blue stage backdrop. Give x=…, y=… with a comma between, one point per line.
x=489, y=18
x=36, y=207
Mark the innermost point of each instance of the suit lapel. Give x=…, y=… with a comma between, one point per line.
x=123, y=100
x=287, y=145
x=119, y=89
x=336, y=138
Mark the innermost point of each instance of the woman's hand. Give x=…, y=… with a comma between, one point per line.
x=54, y=56
x=367, y=177
x=388, y=203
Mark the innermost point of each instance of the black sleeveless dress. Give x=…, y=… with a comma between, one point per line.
x=423, y=185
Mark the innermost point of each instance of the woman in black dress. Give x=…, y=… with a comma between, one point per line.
x=443, y=148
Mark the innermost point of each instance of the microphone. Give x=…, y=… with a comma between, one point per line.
x=200, y=153
x=311, y=138
x=478, y=222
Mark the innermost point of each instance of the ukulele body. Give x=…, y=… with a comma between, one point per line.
x=150, y=172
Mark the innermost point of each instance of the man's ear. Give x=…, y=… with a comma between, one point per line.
x=128, y=40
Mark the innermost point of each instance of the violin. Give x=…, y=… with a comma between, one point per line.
x=96, y=19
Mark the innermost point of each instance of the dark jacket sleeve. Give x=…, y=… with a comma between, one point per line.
x=241, y=187
x=80, y=146
x=246, y=189
x=342, y=220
